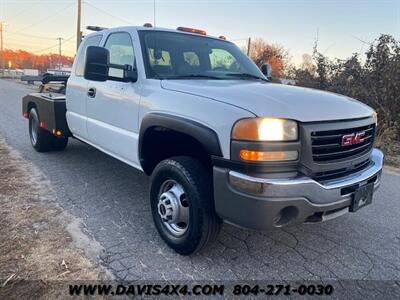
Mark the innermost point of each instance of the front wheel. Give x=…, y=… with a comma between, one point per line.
x=182, y=204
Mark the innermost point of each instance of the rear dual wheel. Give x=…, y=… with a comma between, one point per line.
x=41, y=139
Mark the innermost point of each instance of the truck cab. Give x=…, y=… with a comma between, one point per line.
x=219, y=140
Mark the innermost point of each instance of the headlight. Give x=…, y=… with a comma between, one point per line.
x=265, y=129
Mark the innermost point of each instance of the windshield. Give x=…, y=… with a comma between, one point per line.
x=170, y=55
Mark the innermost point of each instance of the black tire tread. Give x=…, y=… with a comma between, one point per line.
x=201, y=180
x=44, y=139
x=59, y=143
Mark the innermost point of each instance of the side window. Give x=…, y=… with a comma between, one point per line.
x=80, y=60
x=121, y=51
x=191, y=58
x=159, y=58
x=160, y=61
x=223, y=60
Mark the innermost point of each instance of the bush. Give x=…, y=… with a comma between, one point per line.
x=376, y=81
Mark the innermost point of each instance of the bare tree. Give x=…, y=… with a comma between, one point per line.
x=277, y=56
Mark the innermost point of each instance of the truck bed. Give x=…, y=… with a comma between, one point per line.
x=51, y=109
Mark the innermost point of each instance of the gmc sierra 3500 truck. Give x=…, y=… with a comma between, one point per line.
x=219, y=140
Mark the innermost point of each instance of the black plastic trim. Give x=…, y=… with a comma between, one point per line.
x=203, y=134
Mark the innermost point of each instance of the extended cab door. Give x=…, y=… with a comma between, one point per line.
x=76, y=90
x=113, y=106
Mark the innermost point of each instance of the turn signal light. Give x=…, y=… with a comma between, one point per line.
x=57, y=132
x=192, y=30
x=250, y=155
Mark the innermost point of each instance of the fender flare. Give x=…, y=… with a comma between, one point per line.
x=207, y=137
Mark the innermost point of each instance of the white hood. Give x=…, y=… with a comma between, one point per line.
x=274, y=100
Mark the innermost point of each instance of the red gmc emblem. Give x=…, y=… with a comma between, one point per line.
x=353, y=139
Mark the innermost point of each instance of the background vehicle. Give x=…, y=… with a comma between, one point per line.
x=219, y=140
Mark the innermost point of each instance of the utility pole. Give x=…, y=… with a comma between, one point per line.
x=78, y=25
x=248, y=46
x=59, y=53
x=1, y=46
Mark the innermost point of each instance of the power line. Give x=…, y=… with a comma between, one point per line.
x=29, y=35
x=53, y=46
x=37, y=51
x=360, y=40
x=22, y=11
x=19, y=41
x=107, y=13
x=18, y=45
x=46, y=18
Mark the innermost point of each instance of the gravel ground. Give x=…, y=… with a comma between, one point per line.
x=112, y=200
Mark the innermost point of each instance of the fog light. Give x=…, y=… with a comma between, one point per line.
x=286, y=216
x=251, y=155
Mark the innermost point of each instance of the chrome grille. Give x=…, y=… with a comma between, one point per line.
x=327, y=145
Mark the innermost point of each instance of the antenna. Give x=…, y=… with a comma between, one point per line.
x=154, y=13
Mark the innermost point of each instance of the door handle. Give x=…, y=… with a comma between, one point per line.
x=91, y=92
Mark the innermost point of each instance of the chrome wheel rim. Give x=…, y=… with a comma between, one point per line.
x=34, y=128
x=173, y=208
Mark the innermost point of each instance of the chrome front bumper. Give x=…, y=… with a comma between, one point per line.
x=260, y=202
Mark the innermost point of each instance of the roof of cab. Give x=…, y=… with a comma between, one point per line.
x=143, y=28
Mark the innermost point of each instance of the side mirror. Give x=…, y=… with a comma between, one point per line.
x=266, y=69
x=96, y=63
x=97, y=66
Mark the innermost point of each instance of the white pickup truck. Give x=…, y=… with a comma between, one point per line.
x=219, y=140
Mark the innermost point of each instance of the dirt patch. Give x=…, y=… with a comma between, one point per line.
x=392, y=153
x=40, y=245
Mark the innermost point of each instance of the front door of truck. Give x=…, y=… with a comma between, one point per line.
x=112, y=106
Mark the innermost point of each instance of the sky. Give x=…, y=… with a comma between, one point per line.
x=343, y=27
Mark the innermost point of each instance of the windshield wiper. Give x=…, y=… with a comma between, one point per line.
x=246, y=75
x=188, y=76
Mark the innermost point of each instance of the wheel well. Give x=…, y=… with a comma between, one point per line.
x=30, y=106
x=160, y=143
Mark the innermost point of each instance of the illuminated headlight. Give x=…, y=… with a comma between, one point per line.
x=265, y=129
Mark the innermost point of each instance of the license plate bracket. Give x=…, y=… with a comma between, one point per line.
x=362, y=197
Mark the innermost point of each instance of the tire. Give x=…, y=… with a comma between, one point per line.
x=59, y=143
x=170, y=179
x=41, y=139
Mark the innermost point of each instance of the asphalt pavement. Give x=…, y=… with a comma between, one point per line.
x=111, y=198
